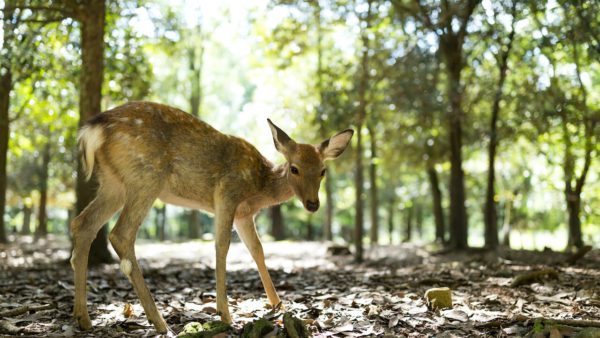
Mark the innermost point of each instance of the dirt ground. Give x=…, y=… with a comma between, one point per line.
x=334, y=297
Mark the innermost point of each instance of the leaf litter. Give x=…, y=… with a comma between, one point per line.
x=328, y=295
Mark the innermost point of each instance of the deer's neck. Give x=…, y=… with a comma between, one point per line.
x=278, y=187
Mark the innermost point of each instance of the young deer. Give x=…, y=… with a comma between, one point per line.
x=143, y=151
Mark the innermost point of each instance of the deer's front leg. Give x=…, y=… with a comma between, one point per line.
x=223, y=225
x=246, y=229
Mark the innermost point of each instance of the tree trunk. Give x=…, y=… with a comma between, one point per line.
x=26, y=227
x=42, y=228
x=391, y=209
x=438, y=211
x=90, y=96
x=408, y=214
x=309, y=228
x=452, y=52
x=419, y=219
x=160, y=221
x=277, y=229
x=373, y=181
x=490, y=212
x=5, y=89
x=195, y=65
x=362, y=113
x=194, y=224
x=574, y=209
x=507, y=222
x=327, y=227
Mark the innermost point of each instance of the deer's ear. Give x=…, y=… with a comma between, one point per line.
x=335, y=145
x=283, y=143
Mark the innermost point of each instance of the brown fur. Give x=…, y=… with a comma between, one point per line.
x=141, y=151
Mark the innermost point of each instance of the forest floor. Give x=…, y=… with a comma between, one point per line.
x=334, y=297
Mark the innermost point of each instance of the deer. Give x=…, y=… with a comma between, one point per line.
x=143, y=151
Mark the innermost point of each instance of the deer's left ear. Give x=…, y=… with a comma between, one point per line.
x=335, y=145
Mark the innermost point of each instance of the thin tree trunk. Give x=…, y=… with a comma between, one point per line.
x=309, y=228
x=574, y=209
x=42, y=218
x=90, y=96
x=458, y=212
x=327, y=227
x=277, y=228
x=194, y=224
x=438, y=210
x=5, y=89
x=362, y=113
x=490, y=211
x=506, y=223
x=391, y=209
x=160, y=220
x=26, y=227
x=408, y=214
x=196, y=62
x=373, y=181
x=419, y=219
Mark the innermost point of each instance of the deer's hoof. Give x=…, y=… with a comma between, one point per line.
x=84, y=322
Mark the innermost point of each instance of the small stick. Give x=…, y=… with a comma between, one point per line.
x=24, y=309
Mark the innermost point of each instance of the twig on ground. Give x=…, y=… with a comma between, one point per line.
x=530, y=277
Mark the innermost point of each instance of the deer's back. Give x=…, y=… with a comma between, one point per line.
x=153, y=144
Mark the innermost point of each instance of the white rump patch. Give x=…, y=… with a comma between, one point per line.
x=90, y=140
x=126, y=267
x=138, y=121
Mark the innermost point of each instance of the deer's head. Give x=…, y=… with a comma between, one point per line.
x=305, y=162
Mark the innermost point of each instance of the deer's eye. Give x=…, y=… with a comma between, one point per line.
x=294, y=170
x=323, y=172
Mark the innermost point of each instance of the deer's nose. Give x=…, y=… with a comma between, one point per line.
x=312, y=205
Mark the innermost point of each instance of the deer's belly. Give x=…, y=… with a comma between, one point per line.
x=173, y=199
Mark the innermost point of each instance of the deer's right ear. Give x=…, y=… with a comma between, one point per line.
x=283, y=143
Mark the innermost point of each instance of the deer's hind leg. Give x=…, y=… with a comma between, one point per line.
x=84, y=228
x=138, y=202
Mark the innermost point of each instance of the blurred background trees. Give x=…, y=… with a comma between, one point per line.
x=476, y=122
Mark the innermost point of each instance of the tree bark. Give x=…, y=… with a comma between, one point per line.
x=42, y=218
x=194, y=224
x=452, y=52
x=309, y=228
x=391, y=209
x=327, y=227
x=277, y=228
x=362, y=113
x=196, y=62
x=408, y=214
x=438, y=210
x=373, y=181
x=574, y=209
x=6, y=85
x=490, y=213
x=26, y=227
x=92, y=18
x=160, y=221
x=506, y=222
x=5, y=89
x=419, y=219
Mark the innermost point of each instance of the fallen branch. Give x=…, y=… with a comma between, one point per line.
x=24, y=309
x=8, y=327
x=546, y=321
x=530, y=277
